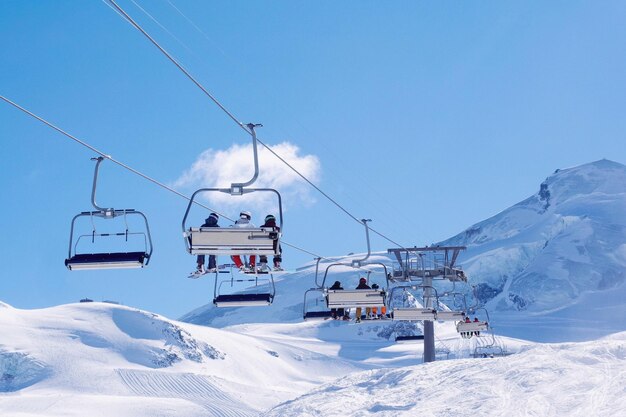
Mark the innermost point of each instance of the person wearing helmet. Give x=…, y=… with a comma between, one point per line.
x=244, y=222
x=363, y=286
x=338, y=313
x=270, y=221
x=210, y=221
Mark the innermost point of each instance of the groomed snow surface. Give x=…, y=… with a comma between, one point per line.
x=98, y=359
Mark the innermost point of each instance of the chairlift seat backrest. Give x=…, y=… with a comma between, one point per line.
x=243, y=300
x=413, y=314
x=119, y=260
x=473, y=326
x=232, y=241
x=355, y=298
x=450, y=315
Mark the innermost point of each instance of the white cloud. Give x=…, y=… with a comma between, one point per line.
x=221, y=168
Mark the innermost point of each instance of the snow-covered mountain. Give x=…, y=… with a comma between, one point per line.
x=560, y=253
x=558, y=256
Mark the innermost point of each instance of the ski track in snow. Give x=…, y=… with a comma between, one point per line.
x=191, y=387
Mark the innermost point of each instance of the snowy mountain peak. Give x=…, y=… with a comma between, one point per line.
x=553, y=251
x=603, y=176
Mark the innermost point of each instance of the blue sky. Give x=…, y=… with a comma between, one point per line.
x=426, y=117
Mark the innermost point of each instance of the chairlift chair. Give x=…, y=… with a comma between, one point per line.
x=457, y=306
x=107, y=260
x=320, y=312
x=262, y=292
x=261, y=241
x=357, y=298
x=411, y=314
x=473, y=328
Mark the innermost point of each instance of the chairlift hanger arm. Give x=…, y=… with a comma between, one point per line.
x=317, y=268
x=109, y=212
x=359, y=262
x=251, y=127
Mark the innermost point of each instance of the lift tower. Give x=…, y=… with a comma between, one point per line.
x=425, y=264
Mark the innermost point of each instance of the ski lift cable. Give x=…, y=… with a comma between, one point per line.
x=196, y=27
x=154, y=19
x=180, y=67
x=232, y=116
x=109, y=157
x=134, y=171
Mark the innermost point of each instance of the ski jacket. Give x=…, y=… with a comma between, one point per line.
x=363, y=287
x=210, y=222
x=336, y=286
x=243, y=223
x=271, y=223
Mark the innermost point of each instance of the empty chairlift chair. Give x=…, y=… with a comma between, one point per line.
x=254, y=291
x=314, y=308
x=136, y=246
x=318, y=310
x=410, y=313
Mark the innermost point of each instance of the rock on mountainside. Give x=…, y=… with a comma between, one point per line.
x=545, y=252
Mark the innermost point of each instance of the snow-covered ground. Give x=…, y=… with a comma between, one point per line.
x=585, y=379
x=550, y=269
x=101, y=359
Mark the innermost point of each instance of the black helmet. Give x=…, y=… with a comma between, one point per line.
x=269, y=217
x=362, y=280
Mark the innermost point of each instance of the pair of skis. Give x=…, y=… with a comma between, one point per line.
x=224, y=269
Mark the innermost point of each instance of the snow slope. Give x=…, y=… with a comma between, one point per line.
x=98, y=359
x=586, y=379
x=101, y=359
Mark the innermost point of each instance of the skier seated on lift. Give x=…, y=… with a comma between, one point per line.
x=466, y=335
x=477, y=333
x=338, y=313
x=210, y=221
x=244, y=222
x=270, y=221
x=368, y=311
